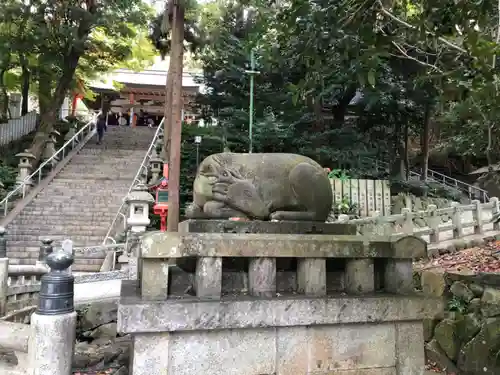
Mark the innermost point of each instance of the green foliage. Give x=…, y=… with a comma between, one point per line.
x=345, y=206
x=457, y=304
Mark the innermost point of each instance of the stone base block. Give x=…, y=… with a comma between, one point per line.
x=377, y=335
x=269, y=227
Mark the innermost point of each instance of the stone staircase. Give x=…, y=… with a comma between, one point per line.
x=82, y=200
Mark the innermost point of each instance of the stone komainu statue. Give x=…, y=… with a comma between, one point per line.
x=261, y=186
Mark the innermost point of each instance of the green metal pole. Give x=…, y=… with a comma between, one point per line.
x=250, y=120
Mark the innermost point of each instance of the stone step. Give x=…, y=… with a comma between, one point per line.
x=73, y=203
x=34, y=239
x=72, y=198
x=36, y=243
x=68, y=227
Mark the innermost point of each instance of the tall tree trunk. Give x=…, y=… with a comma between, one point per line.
x=4, y=97
x=176, y=127
x=167, y=115
x=52, y=104
x=406, y=142
x=424, y=141
x=25, y=85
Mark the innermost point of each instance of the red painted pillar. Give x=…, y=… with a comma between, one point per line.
x=73, y=104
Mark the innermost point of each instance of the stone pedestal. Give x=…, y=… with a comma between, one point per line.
x=282, y=336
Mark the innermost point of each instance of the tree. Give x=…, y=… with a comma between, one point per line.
x=64, y=34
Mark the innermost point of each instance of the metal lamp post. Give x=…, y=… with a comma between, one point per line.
x=197, y=142
x=252, y=73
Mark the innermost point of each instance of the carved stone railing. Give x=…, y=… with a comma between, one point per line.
x=436, y=225
x=363, y=264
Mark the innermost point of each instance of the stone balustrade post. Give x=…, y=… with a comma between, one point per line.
x=4, y=272
x=477, y=215
x=262, y=277
x=456, y=220
x=433, y=221
x=311, y=276
x=494, y=211
x=360, y=276
x=53, y=325
x=67, y=247
x=46, y=249
x=208, y=277
x=407, y=227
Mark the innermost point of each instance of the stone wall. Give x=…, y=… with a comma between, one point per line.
x=466, y=338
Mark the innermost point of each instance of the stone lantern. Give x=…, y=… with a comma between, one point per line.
x=138, y=201
x=156, y=167
x=50, y=147
x=25, y=159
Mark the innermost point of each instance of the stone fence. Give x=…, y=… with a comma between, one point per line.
x=280, y=303
x=465, y=337
x=435, y=225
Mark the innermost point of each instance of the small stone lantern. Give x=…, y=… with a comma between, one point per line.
x=138, y=201
x=50, y=147
x=71, y=133
x=25, y=159
x=156, y=167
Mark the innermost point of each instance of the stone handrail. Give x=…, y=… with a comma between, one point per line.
x=26, y=180
x=202, y=254
x=140, y=176
x=460, y=220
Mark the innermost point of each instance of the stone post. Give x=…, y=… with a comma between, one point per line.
x=456, y=220
x=477, y=215
x=53, y=325
x=494, y=211
x=46, y=249
x=433, y=221
x=24, y=165
x=262, y=277
x=4, y=272
x=407, y=220
x=67, y=247
x=360, y=276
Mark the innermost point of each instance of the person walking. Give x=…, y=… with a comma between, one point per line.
x=101, y=127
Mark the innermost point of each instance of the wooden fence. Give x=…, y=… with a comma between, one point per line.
x=17, y=128
x=435, y=225
x=368, y=195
